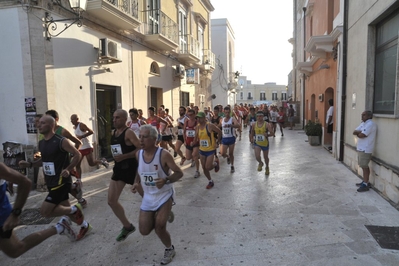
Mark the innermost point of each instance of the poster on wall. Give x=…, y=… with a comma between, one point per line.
x=13, y=153
x=192, y=76
x=30, y=110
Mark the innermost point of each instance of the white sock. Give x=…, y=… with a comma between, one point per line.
x=59, y=228
x=73, y=209
x=85, y=224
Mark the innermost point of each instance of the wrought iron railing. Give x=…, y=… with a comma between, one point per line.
x=209, y=58
x=130, y=7
x=189, y=45
x=157, y=22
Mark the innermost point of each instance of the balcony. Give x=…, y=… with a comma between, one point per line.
x=209, y=58
x=250, y=98
x=189, y=52
x=122, y=14
x=159, y=30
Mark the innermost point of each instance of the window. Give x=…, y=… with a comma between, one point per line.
x=283, y=96
x=386, y=65
x=241, y=95
x=274, y=96
x=154, y=68
x=184, y=99
x=183, y=30
x=262, y=96
x=153, y=16
x=249, y=96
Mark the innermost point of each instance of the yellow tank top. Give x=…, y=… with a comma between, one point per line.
x=207, y=142
x=260, y=138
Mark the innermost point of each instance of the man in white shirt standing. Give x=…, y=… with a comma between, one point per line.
x=366, y=133
x=329, y=117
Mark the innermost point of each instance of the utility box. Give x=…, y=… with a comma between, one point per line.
x=13, y=152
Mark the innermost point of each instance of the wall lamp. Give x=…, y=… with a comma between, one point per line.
x=207, y=68
x=324, y=66
x=77, y=7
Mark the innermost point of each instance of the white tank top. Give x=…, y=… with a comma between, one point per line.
x=85, y=141
x=181, y=120
x=227, y=129
x=153, y=198
x=135, y=127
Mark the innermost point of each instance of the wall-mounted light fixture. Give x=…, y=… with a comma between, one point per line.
x=77, y=7
x=324, y=66
x=207, y=68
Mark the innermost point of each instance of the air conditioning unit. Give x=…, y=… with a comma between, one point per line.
x=180, y=71
x=110, y=51
x=321, y=97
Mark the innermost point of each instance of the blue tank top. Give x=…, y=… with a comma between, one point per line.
x=5, y=206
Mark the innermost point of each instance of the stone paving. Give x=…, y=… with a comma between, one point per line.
x=306, y=212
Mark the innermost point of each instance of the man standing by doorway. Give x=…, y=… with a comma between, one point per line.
x=366, y=133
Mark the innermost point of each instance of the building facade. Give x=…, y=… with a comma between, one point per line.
x=136, y=53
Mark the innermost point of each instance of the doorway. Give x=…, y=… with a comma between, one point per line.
x=106, y=97
x=156, y=97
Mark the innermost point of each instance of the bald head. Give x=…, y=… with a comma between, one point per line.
x=46, y=125
x=74, y=119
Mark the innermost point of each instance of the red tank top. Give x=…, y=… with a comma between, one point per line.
x=190, y=132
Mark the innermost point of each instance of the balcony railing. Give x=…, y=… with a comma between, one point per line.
x=250, y=98
x=157, y=22
x=189, y=45
x=210, y=57
x=130, y=7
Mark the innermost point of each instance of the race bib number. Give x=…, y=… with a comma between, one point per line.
x=180, y=131
x=204, y=143
x=149, y=178
x=190, y=133
x=48, y=168
x=116, y=149
x=260, y=138
x=226, y=130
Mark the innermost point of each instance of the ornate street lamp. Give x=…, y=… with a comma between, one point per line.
x=77, y=6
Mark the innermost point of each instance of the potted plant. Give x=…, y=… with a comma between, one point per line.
x=314, y=130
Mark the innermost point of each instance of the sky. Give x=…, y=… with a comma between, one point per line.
x=262, y=29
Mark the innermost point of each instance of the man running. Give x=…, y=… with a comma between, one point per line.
x=124, y=145
x=156, y=172
x=180, y=133
x=228, y=139
x=10, y=244
x=260, y=133
x=207, y=149
x=155, y=121
x=166, y=132
x=86, y=150
x=57, y=168
x=135, y=123
x=189, y=136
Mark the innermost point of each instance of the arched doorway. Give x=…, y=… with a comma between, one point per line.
x=328, y=136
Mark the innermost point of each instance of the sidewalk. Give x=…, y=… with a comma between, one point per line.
x=306, y=212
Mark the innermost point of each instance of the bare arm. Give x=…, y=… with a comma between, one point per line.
x=24, y=185
x=130, y=138
x=169, y=163
x=66, y=146
x=68, y=135
x=86, y=129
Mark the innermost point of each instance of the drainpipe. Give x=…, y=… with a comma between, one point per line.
x=344, y=69
x=304, y=60
x=295, y=52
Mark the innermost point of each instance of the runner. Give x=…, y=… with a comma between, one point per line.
x=216, y=121
x=154, y=179
x=154, y=121
x=251, y=119
x=189, y=136
x=124, y=145
x=205, y=136
x=180, y=133
x=166, y=132
x=261, y=131
x=273, y=119
x=281, y=120
x=135, y=123
x=228, y=139
x=239, y=117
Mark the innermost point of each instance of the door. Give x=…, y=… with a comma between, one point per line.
x=106, y=106
x=153, y=16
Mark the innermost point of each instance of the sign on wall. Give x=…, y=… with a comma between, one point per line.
x=30, y=110
x=192, y=76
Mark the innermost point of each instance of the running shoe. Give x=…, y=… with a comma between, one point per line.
x=197, y=174
x=210, y=185
x=260, y=166
x=228, y=160
x=79, y=217
x=182, y=160
x=105, y=163
x=361, y=183
x=77, y=187
x=171, y=217
x=66, y=223
x=363, y=187
x=216, y=163
x=83, y=202
x=168, y=256
x=232, y=170
x=192, y=163
x=267, y=172
x=125, y=233
x=84, y=231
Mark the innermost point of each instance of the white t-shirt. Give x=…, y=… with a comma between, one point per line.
x=368, y=128
x=330, y=113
